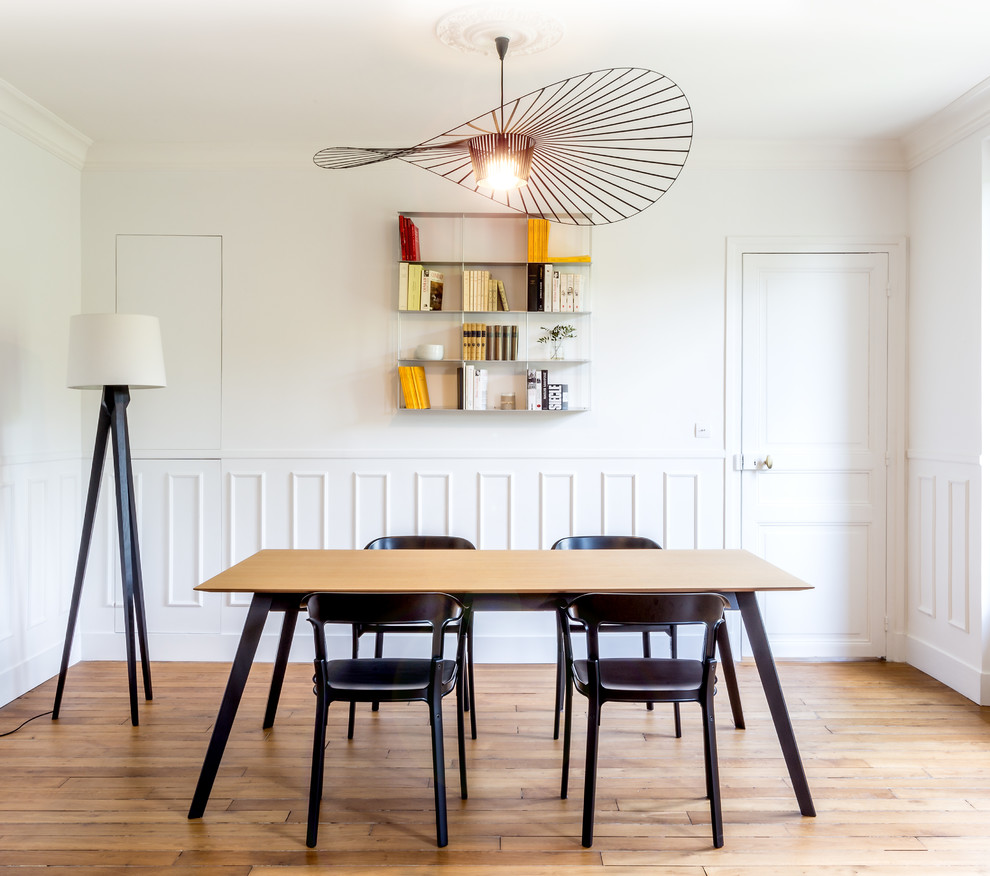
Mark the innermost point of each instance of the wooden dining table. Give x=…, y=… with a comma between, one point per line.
x=492, y=580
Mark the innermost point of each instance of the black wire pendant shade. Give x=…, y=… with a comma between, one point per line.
x=606, y=145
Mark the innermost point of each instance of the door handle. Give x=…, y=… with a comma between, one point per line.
x=767, y=463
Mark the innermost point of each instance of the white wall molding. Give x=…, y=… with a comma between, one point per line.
x=964, y=116
x=949, y=669
x=429, y=453
x=31, y=120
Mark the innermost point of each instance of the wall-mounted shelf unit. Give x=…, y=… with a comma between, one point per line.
x=469, y=249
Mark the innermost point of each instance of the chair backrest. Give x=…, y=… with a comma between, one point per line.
x=436, y=610
x=420, y=542
x=593, y=610
x=603, y=542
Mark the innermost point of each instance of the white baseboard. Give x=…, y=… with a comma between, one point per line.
x=950, y=670
x=28, y=674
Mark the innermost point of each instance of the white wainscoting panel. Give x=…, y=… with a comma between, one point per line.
x=943, y=595
x=39, y=521
x=619, y=504
x=210, y=514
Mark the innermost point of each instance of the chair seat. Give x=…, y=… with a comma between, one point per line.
x=386, y=678
x=640, y=679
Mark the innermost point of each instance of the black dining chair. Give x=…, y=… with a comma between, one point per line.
x=640, y=679
x=385, y=679
x=611, y=542
x=421, y=542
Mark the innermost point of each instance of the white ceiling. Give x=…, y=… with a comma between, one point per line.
x=374, y=73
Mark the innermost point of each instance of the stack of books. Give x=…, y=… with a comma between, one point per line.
x=542, y=395
x=412, y=378
x=419, y=288
x=483, y=292
x=491, y=342
x=408, y=240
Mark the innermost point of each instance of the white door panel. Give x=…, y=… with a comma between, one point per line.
x=813, y=436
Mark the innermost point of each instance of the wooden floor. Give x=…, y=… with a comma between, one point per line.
x=898, y=764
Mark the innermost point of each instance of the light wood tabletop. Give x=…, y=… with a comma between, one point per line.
x=523, y=572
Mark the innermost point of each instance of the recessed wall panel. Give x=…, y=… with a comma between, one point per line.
x=926, y=546
x=618, y=504
x=371, y=506
x=434, y=503
x=494, y=511
x=558, y=506
x=680, y=500
x=185, y=540
x=958, y=554
x=309, y=497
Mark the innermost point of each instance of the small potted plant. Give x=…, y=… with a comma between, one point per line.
x=555, y=337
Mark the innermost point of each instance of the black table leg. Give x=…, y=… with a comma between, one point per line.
x=750, y=610
x=728, y=666
x=261, y=604
x=278, y=670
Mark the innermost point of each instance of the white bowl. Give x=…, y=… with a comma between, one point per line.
x=429, y=351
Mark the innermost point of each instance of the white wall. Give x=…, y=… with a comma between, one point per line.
x=311, y=452
x=945, y=597
x=39, y=418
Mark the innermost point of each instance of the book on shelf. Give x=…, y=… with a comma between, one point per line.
x=557, y=397
x=412, y=379
x=533, y=399
x=544, y=390
x=403, y=285
x=414, y=286
x=538, y=232
x=480, y=389
x=534, y=287
x=422, y=392
x=408, y=387
x=502, y=299
x=408, y=240
x=431, y=295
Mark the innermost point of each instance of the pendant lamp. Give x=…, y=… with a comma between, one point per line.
x=501, y=161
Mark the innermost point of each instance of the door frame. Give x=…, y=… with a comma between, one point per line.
x=895, y=248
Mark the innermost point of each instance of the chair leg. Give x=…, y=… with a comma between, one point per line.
x=351, y=710
x=566, y=762
x=590, y=770
x=647, y=653
x=673, y=655
x=316, y=775
x=711, y=770
x=729, y=674
x=439, y=783
x=559, y=699
x=461, y=766
x=470, y=701
x=379, y=650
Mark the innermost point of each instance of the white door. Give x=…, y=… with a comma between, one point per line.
x=812, y=470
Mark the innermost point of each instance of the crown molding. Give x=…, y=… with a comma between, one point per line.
x=31, y=120
x=964, y=116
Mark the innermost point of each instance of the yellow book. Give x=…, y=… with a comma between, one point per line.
x=422, y=393
x=577, y=258
x=408, y=390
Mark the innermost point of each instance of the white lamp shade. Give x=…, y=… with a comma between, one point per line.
x=115, y=349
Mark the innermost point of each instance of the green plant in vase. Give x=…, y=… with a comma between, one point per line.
x=555, y=337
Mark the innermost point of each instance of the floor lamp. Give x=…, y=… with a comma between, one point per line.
x=114, y=352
